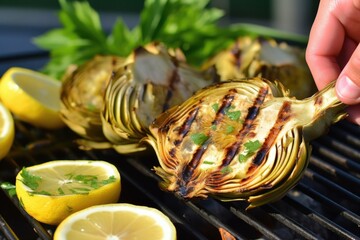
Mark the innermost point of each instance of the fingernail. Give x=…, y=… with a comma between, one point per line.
x=348, y=90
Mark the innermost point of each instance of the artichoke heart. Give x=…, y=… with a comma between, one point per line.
x=276, y=61
x=240, y=140
x=82, y=95
x=154, y=80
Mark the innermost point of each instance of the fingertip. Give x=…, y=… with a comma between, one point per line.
x=347, y=91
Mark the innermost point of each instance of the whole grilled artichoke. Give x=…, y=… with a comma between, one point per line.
x=256, y=57
x=154, y=80
x=240, y=140
x=82, y=95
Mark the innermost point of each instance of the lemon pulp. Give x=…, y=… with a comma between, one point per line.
x=51, y=191
x=48, y=95
x=115, y=222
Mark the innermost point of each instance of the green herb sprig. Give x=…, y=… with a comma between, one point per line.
x=82, y=35
x=9, y=188
x=190, y=25
x=30, y=180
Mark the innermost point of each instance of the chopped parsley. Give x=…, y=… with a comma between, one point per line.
x=233, y=115
x=250, y=148
x=199, y=138
x=208, y=162
x=215, y=107
x=30, y=180
x=229, y=129
x=61, y=191
x=226, y=169
x=10, y=188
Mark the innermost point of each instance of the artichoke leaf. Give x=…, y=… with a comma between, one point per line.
x=245, y=139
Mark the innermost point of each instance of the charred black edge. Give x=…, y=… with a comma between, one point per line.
x=253, y=112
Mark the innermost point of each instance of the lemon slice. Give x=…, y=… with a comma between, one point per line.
x=115, y=222
x=51, y=191
x=7, y=131
x=33, y=97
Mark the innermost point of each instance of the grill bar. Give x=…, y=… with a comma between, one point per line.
x=324, y=205
x=322, y=220
x=331, y=185
x=6, y=229
x=304, y=232
x=330, y=204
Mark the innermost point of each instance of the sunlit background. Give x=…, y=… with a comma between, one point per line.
x=21, y=20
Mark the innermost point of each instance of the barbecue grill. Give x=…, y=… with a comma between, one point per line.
x=324, y=205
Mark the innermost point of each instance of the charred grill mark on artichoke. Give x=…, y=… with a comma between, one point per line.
x=173, y=80
x=253, y=111
x=226, y=103
x=191, y=170
x=283, y=117
x=185, y=128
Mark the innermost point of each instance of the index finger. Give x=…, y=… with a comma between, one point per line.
x=325, y=43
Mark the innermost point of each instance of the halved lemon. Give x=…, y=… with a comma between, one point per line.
x=32, y=96
x=51, y=191
x=115, y=222
x=7, y=131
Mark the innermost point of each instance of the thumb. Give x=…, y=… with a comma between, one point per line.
x=348, y=83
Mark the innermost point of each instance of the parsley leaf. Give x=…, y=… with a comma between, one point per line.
x=229, y=129
x=233, y=115
x=10, y=188
x=199, y=138
x=215, y=107
x=30, y=180
x=226, y=170
x=250, y=148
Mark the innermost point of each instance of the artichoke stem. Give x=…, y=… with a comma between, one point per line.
x=325, y=109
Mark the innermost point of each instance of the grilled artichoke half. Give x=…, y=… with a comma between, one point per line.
x=154, y=80
x=275, y=61
x=240, y=140
x=82, y=95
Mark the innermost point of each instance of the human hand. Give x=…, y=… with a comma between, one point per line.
x=333, y=51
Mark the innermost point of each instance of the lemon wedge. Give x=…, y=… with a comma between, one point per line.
x=51, y=191
x=7, y=131
x=32, y=96
x=115, y=222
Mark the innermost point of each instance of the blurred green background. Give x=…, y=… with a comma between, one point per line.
x=22, y=20
x=276, y=13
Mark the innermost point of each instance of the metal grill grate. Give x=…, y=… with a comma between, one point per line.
x=324, y=205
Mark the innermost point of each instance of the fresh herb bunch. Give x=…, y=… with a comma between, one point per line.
x=190, y=25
